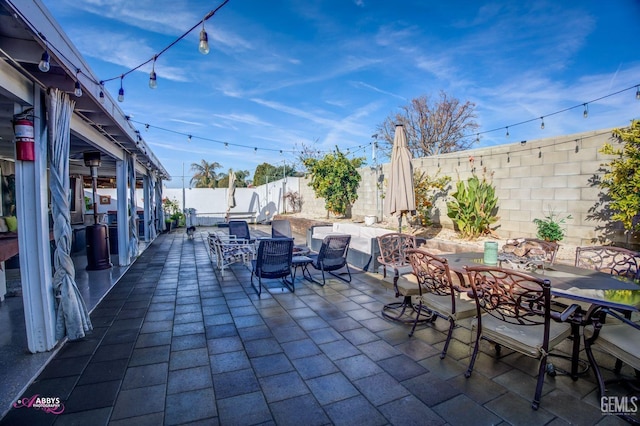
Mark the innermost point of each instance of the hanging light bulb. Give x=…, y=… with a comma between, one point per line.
x=542, y=123
x=203, y=46
x=153, y=81
x=121, y=91
x=507, y=135
x=101, y=96
x=44, y=65
x=585, y=114
x=477, y=137
x=638, y=93
x=189, y=138
x=77, y=89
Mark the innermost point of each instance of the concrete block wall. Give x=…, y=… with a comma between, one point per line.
x=530, y=178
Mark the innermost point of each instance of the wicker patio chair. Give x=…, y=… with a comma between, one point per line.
x=273, y=261
x=281, y=228
x=332, y=256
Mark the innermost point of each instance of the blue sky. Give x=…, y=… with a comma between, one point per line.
x=324, y=73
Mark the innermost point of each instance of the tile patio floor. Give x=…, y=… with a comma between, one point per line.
x=174, y=342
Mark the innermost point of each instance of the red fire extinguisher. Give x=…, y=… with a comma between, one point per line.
x=23, y=130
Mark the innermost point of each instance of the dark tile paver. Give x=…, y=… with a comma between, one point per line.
x=185, y=407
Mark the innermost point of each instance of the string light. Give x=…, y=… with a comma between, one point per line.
x=189, y=138
x=477, y=137
x=153, y=81
x=121, y=91
x=638, y=92
x=577, y=147
x=539, y=153
x=203, y=46
x=507, y=135
x=44, y=64
x=542, y=123
x=77, y=89
x=101, y=94
x=585, y=114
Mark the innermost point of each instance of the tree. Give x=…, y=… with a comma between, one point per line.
x=266, y=172
x=336, y=179
x=432, y=127
x=241, y=176
x=205, y=175
x=622, y=177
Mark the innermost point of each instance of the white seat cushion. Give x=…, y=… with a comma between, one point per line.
x=622, y=341
x=526, y=339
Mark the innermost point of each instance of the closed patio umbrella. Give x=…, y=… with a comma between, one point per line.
x=400, y=197
x=231, y=193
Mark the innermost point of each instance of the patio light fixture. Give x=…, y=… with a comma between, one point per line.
x=585, y=114
x=638, y=93
x=121, y=91
x=542, y=123
x=101, y=94
x=77, y=89
x=153, y=81
x=203, y=46
x=44, y=64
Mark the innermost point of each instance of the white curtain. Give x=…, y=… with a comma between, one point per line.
x=159, y=206
x=152, y=207
x=72, y=317
x=133, y=209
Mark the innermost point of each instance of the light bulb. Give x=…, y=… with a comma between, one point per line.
x=638, y=93
x=153, y=82
x=203, y=47
x=101, y=96
x=77, y=90
x=542, y=124
x=585, y=114
x=507, y=135
x=44, y=65
x=121, y=91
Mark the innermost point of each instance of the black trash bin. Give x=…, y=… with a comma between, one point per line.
x=97, y=247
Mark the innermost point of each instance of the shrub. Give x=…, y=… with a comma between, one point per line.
x=474, y=206
x=427, y=189
x=551, y=228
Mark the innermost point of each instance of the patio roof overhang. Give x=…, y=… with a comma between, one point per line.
x=26, y=30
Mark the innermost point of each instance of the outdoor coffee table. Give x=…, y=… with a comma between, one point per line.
x=301, y=262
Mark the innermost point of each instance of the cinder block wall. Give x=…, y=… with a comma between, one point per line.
x=530, y=178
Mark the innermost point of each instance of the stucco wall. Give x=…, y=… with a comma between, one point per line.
x=530, y=179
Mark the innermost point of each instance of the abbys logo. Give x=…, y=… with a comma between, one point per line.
x=51, y=405
x=619, y=405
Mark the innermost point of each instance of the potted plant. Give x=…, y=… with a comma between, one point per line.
x=552, y=227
